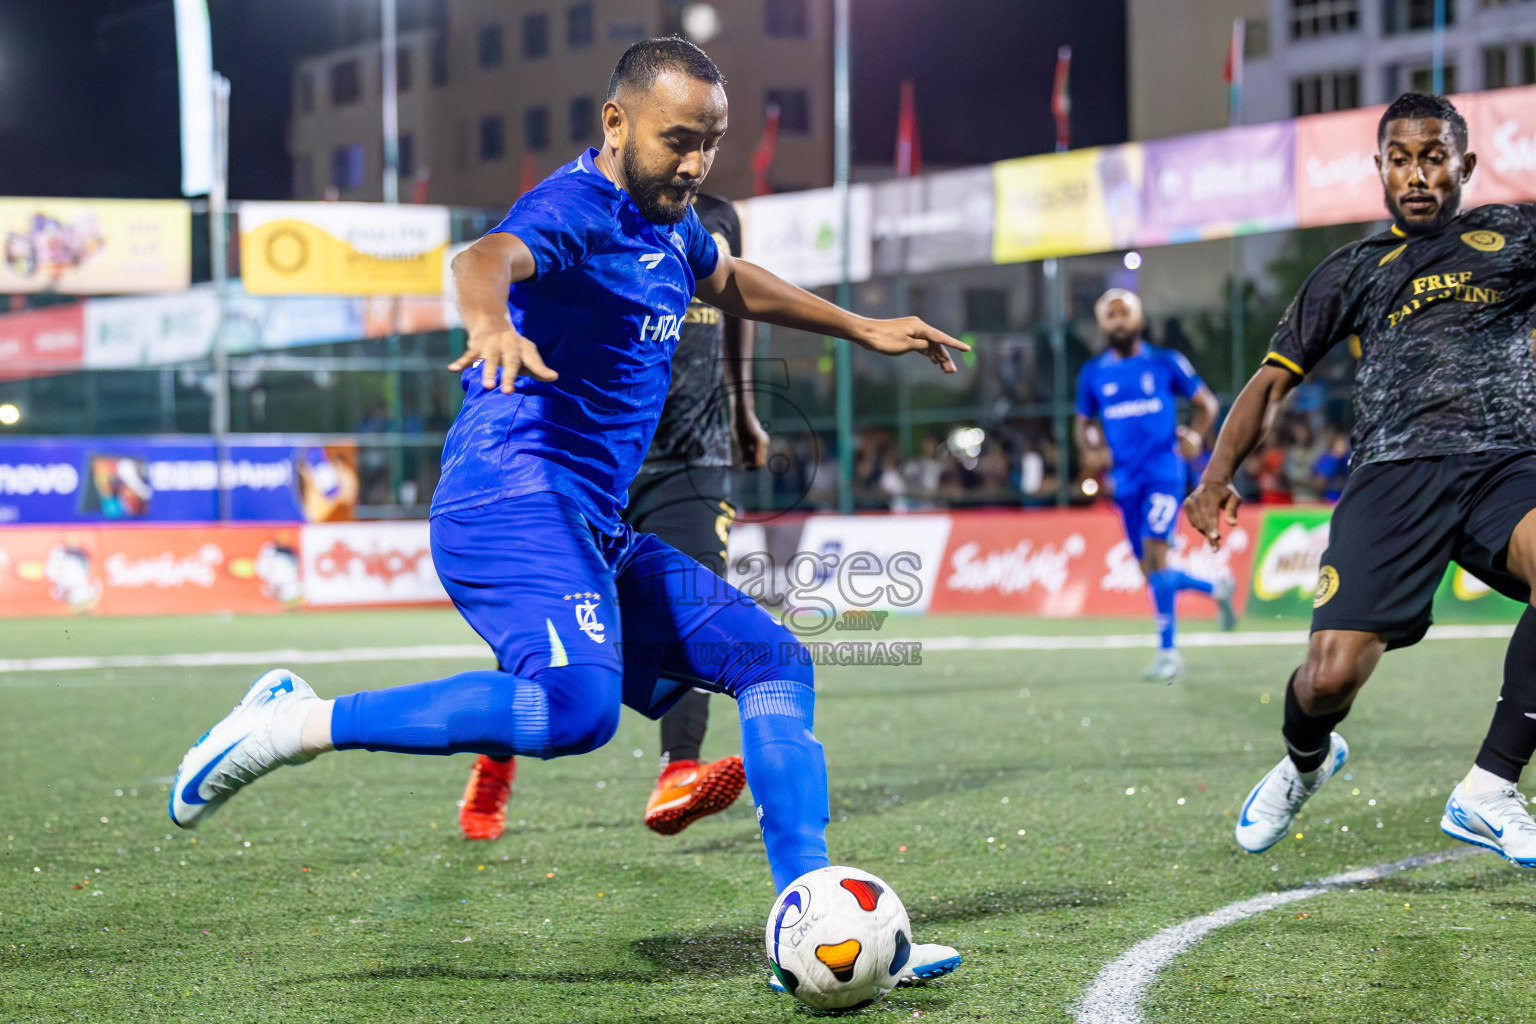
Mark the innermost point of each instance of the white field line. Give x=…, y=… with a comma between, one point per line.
x=1115, y=995
x=476, y=652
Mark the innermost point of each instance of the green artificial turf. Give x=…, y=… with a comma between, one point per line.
x=356, y=900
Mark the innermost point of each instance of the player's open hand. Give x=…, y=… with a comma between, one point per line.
x=1205, y=508
x=504, y=349
x=909, y=334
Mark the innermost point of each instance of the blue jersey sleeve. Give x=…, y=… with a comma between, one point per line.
x=1087, y=395
x=1186, y=382
x=560, y=225
x=699, y=247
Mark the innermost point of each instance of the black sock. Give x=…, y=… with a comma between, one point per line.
x=1306, y=736
x=1512, y=736
x=682, y=728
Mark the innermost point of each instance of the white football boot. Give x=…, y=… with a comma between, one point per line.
x=1271, y=808
x=1222, y=591
x=928, y=960
x=261, y=733
x=1495, y=819
x=1167, y=666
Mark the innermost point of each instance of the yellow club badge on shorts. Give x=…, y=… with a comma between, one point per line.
x=1484, y=241
x=1327, y=586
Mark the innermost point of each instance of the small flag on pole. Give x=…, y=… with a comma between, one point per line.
x=762, y=157
x=909, y=147
x=1061, y=99
x=1232, y=74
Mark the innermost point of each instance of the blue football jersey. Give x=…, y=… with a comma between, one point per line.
x=605, y=308
x=1135, y=398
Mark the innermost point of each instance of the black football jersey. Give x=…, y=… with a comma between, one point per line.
x=1444, y=325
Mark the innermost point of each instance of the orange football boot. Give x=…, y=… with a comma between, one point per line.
x=688, y=790
x=483, y=811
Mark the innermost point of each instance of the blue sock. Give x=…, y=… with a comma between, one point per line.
x=1187, y=582
x=788, y=775
x=1165, y=594
x=564, y=710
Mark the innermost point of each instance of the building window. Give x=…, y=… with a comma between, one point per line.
x=1313, y=18
x=1528, y=64
x=536, y=129
x=535, y=36
x=1423, y=79
x=404, y=72
x=490, y=45
x=440, y=58
x=347, y=167
x=583, y=118
x=578, y=26
x=303, y=177
x=1495, y=67
x=306, y=93
x=1413, y=15
x=346, y=83
x=986, y=309
x=407, y=156
x=1318, y=94
x=789, y=19
x=493, y=143
x=794, y=110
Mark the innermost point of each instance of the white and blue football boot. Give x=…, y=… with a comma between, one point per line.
x=1271, y=808
x=1167, y=666
x=1495, y=820
x=928, y=960
x=261, y=733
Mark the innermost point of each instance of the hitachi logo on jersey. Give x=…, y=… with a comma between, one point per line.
x=1136, y=407
x=665, y=328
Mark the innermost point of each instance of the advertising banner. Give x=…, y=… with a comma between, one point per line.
x=95, y=246
x=1462, y=597
x=1287, y=561
x=1336, y=177
x=139, y=479
x=342, y=248
x=1064, y=564
x=369, y=563
x=798, y=235
x=150, y=331
x=1217, y=184
x=1084, y=201
x=933, y=222
x=846, y=563
x=148, y=571
x=1502, y=124
x=50, y=339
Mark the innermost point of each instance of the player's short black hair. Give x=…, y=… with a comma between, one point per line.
x=1414, y=106
x=642, y=62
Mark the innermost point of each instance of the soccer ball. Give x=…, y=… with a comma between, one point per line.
x=838, y=938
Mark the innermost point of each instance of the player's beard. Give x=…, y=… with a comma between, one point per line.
x=648, y=191
x=1450, y=206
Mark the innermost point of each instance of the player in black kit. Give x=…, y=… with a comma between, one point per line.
x=1442, y=308
x=683, y=495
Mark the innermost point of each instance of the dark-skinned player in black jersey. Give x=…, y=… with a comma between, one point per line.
x=1442, y=306
x=682, y=495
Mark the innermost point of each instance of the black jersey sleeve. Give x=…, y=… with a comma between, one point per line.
x=1313, y=323
x=719, y=219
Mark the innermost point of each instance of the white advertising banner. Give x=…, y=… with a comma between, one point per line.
x=150, y=331
x=369, y=563
x=798, y=235
x=848, y=563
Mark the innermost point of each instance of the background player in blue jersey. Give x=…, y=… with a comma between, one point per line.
x=1127, y=402
x=573, y=305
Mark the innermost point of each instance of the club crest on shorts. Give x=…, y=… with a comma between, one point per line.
x=1327, y=586
x=586, y=615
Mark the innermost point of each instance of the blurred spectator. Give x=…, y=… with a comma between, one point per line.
x=1331, y=467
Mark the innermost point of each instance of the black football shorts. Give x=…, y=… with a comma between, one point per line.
x=688, y=508
x=1399, y=524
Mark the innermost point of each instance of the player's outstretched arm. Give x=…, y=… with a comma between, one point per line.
x=481, y=276
x=1246, y=425
x=748, y=291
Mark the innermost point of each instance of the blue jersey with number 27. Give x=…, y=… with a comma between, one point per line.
x=1135, y=399
x=605, y=308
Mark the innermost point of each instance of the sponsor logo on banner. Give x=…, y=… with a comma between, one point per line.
x=150, y=330
x=1216, y=184
x=369, y=563
x=34, y=342
x=1502, y=124
x=1336, y=177
x=1087, y=200
x=1291, y=562
x=933, y=222
x=798, y=235
x=95, y=246
x=342, y=248
x=857, y=563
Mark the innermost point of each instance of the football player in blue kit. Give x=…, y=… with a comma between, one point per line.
x=1128, y=403
x=573, y=305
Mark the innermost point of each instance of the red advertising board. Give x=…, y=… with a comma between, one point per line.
x=1336, y=178
x=149, y=571
x=1069, y=563
x=1503, y=135
x=35, y=342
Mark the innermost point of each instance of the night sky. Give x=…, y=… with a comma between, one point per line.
x=88, y=102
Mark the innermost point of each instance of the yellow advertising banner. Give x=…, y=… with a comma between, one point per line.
x=342, y=248
x=95, y=246
x=1062, y=204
